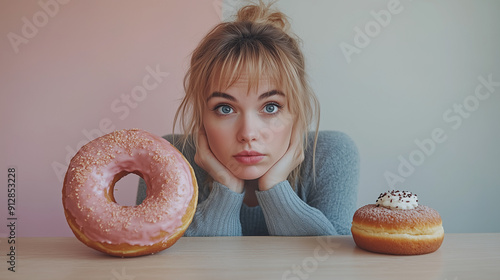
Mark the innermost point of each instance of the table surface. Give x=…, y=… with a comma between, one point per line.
x=461, y=256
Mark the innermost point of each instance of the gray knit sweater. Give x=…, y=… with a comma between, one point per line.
x=323, y=206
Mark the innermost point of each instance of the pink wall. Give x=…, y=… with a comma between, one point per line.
x=72, y=71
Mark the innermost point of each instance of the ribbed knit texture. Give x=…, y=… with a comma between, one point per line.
x=323, y=206
x=208, y=222
x=287, y=214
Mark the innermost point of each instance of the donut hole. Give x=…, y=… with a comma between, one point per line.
x=124, y=190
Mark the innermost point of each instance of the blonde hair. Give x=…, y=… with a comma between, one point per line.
x=258, y=42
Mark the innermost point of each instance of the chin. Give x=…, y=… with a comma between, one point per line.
x=251, y=174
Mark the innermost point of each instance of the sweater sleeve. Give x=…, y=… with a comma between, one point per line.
x=218, y=215
x=287, y=214
x=335, y=188
x=325, y=203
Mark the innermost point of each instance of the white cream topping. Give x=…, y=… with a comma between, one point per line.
x=403, y=200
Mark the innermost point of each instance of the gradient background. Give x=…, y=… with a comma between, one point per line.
x=70, y=82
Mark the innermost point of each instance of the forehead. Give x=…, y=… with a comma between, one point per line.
x=249, y=83
x=244, y=81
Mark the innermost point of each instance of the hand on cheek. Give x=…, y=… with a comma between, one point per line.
x=207, y=160
x=285, y=165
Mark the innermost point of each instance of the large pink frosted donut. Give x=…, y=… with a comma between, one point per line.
x=99, y=222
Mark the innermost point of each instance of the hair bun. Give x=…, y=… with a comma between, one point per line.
x=264, y=14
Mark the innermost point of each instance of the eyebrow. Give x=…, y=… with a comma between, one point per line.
x=265, y=95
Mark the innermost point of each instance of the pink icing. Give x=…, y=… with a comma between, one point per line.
x=92, y=170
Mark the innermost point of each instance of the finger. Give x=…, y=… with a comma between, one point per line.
x=296, y=146
x=202, y=137
x=202, y=149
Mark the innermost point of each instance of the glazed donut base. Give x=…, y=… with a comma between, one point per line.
x=128, y=250
x=124, y=249
x=100, y=222
x=398, y=243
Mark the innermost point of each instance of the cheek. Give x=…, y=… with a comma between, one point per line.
x=286, y=135
x=281, y=131
x=217, y=137
x=282, y=124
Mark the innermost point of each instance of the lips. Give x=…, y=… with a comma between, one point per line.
x=249, y=157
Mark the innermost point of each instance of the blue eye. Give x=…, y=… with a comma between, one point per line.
x=271, y=108
x=224, y=109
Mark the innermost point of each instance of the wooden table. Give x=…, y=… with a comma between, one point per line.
x=462, y=256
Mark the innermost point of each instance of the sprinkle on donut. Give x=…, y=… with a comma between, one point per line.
x=401, y=200
x=398, y=225
x=101, y=223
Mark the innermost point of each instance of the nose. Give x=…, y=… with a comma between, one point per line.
x=248, y=130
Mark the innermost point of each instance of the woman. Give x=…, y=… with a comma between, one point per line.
x=246, y=115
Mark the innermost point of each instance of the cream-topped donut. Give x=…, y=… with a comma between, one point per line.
x=397, y=224
x=99, y=222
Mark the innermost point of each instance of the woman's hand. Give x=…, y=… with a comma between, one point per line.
x=284, y=166
x=205, y=159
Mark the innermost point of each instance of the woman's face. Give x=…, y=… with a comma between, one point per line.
x=248, y=131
